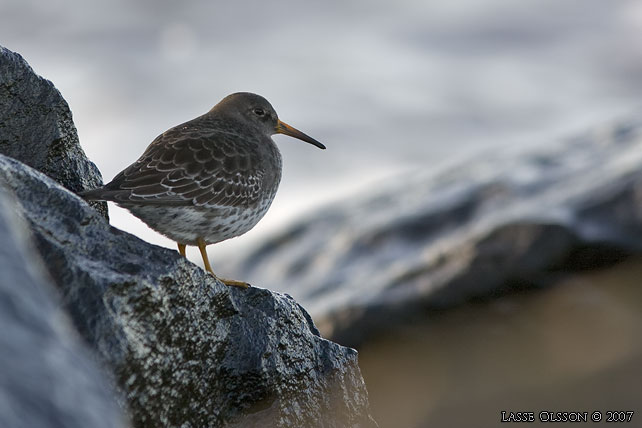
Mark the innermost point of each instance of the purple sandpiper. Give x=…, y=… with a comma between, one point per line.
x=209, y=179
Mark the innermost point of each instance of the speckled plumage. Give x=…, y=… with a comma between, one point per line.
x=209, y=179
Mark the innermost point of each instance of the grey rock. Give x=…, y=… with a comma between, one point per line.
x=499, y=222
x=36, y=127
x=48, y=377
x=184, y=349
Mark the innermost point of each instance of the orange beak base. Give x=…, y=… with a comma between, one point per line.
x=284, y=128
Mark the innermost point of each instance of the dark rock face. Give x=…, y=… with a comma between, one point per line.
x=36, y=127
x=48, y=378
x=185, y=349
x=506, y=221
x=182, y=349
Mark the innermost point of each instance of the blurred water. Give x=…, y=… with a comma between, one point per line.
x=387, y=86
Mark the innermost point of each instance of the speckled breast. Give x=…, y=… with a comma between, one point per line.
x=185, y=224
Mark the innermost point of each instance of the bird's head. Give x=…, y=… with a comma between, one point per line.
x=258, y=111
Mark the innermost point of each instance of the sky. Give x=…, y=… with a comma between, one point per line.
x=388, y=87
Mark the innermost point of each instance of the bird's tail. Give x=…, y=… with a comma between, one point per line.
x=99, y=194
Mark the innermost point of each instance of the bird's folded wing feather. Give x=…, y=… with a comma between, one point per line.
x=197, y=169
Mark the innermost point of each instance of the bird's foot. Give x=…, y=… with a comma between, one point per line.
x=233, y=282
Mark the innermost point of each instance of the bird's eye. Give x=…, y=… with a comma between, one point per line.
x=259, y=112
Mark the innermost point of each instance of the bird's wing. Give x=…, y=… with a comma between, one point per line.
x=191, y=168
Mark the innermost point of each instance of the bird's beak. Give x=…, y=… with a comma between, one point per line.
x=284, y=128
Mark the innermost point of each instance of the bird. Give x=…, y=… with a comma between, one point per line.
x=209, y=179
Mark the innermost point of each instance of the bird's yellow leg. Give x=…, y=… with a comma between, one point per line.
x=208, y=267
x=181, y=249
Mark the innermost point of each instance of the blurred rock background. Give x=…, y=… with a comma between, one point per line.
x=474, y=224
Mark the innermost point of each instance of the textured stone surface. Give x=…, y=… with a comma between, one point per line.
x=185, y=349
x=504, y=221
x=48, y=378
x=36, y=127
